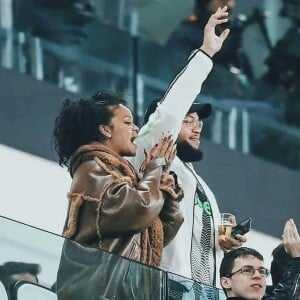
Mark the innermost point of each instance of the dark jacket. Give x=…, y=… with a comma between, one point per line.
x=289, y=286
x=111, y=209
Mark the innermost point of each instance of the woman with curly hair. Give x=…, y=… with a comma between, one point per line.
x=109, y=206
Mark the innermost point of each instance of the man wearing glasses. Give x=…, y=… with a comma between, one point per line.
x=195, y=252
x=243, y=275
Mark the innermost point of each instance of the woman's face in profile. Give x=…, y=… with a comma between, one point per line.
x=123, y=132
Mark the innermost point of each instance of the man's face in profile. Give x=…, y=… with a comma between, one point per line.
x=188, y=141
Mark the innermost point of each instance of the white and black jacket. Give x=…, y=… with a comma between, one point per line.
x=168, y=117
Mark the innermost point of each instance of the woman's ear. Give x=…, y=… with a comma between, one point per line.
x=105, y=131
x=225, y=283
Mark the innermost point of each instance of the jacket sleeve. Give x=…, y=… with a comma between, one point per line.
x=101, y=204
x=126, y=208
x=171, y=218
x=289, y=285
x=170, y=214
x=176, y=102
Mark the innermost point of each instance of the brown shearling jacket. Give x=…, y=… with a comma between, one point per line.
x=111, y=209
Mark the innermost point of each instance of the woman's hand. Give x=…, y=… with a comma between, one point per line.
x=164, y=149
x=212, y=43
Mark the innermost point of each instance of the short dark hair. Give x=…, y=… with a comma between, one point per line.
x=78, y=121
x=11, y=268
x=280, y=260
x=229, y=258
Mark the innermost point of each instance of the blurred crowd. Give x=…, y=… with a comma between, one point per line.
x=274, y=94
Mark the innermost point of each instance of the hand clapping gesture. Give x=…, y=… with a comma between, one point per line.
x=164, y=149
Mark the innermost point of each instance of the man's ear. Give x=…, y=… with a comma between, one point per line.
x=105, y=131
x=225, y=283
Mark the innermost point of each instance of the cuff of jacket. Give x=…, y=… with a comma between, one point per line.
x=177, y=193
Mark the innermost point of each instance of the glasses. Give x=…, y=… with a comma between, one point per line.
x=192, y=123
x=250, y=271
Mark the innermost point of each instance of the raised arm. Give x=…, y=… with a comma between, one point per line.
x=183, y=90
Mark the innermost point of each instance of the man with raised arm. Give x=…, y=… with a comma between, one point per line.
x=195, y=250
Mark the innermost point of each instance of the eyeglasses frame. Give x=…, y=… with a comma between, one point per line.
x=267, y=272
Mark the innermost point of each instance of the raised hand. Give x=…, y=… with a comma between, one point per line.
x=212, y=42
x=291, y=239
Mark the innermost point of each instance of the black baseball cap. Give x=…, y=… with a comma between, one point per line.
x=202, y=109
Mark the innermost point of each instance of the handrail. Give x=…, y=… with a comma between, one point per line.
x=96, y=267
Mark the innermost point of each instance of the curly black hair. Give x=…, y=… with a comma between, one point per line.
x=78, y=121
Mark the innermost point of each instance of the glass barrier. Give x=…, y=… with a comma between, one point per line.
x=24, y=290
x=101, y=49
x=40, y=249
x=73, y=271
x=184, y=288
